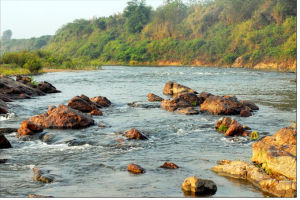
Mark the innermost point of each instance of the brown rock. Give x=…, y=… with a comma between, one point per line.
x=258, y=177
x=169, y=165
x=42, y=175
x=101, y=101
x=29, y=128
x=8, y=130
x=277, y=153
x=39, y=196
x=96, y=112
x=23, y=79
x=172, y=88
x=135, y=134
x=182, y=100
x=63, y=117
x=5, y=98
x=230, y=127
x=136, y=169
x=226, y=105
x=153, y=97
x=3, y=107
x=187, y=111
x=245, y=112
x=47, y=87
x=250, y=104
x=203, y=96
x=199, y=186
x=4, y=143
x=81, y=104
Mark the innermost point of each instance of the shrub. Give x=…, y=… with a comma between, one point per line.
x=222, y=128
x=254, y=135
x=33, y=64
x=230, y=58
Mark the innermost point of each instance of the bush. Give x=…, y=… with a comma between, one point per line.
x=230, y=58
x=33, y=64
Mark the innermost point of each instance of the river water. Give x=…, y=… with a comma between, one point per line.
x=92, y=163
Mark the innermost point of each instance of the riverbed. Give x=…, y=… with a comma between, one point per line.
x=92, y=163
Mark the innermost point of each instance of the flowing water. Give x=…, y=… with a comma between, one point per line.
x=92, y=163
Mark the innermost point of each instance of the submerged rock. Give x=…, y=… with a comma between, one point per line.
x=143, y=105
x=243, y=170
x=277, y=153
x=153, y=97
x=29, y=128
x=8, y=130
x=136, y=169
x=169, y=165
x=63, y=117
x=42, y=175
x=172, y=88
x=4, y=143
x=39, y=196
x=96, y=112
x=3, y=107
x=135, y=134
x=101, y=101
x=199, y=186
x=188, y=111
x=230, y=127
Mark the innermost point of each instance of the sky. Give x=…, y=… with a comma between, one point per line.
x=34, y=18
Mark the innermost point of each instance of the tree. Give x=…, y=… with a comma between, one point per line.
x=6, y=36
x=137, y=15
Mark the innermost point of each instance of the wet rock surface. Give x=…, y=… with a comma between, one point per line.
x=4, y=143
x=188, y=111
x=42, y=175
x=230, y=127
x=173, y=88
x=199, y=186
x=153, y=97
x=47, y=87
x=3, y=107
x=39, y=196
x=82, y=103
x=182, y=100
x=29, y=128
x=135, y=134
x=143, y=105
x=169, y=165
x=63, y=117
x=8, y=130
x=101, y=101
x=135, y=169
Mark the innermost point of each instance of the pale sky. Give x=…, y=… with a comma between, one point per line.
x=34, y=18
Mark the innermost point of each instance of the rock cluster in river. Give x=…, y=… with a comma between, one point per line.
x=230, y=127
x=135, y=134
x=275, y=162
x=199, y=186
x=42, y=175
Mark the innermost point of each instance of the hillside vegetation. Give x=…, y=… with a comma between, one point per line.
x=250, y=33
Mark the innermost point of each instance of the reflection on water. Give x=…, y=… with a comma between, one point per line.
x=92, y=163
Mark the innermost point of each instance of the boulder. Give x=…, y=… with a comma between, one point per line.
x=230, y=127
x=153, y=97
x=203, y=96
x=281, y=187
x=182, y=100
x=101, y=101
x=3, y=107
x=136, y=169
x=42, y=175
x=135, y=134
x=24, y=79
x=172, y=88
x=250, y=104
x=63, y=117
x=4, y=143
x=169, y=165
x=82, y=104
x=5, y=98
x=188, y=111
x=225, y=105
x=29, y=128
x=16, y=90
x=96, y=112
x=8, y=130
x=245, y=112
x=198, y=186
x=277, y=153
x=47, y=87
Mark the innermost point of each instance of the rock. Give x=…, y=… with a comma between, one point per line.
x=221, y=105
x=16, y=90
x=23, y=79
x=250, y=104
x=47, y=137
x=231, y=127
x=153, y=97
x=4, y=143
x=39, y=196
x=47, y=87
x=29, y=128
x=257, y=176
x=169, y=165
x=135, y=134
x=2, y=161
x=63, y=117
x=82, y=104
x=245, y=112
x=277, y=153
x=42, y=175
x=172, y=88
x=182, y=100
x=101, y=101
x=5, y=98
x=203, y=96
x=96, y=112
x=187, y=111
x=3, y=107
x=8, y=130
x=199, y=186
x=136, y=169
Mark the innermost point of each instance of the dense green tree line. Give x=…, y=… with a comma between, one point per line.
x=210, y=31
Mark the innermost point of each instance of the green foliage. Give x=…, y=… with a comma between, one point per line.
x=230, y=58
x=33, y=64
x=254, y=135
x=222, y=128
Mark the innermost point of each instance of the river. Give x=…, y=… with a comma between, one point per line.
x=95, y=164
